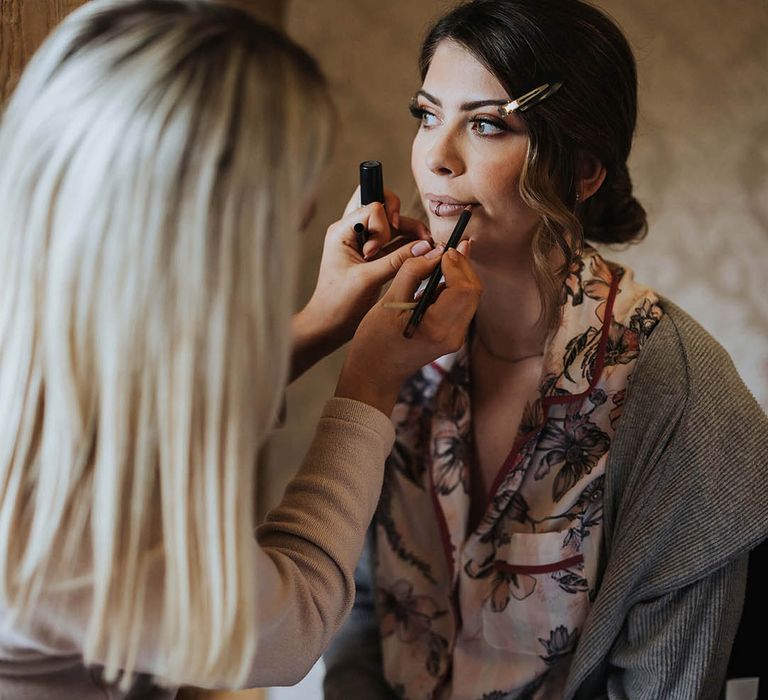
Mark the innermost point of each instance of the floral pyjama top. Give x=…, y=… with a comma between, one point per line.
x=495, y=613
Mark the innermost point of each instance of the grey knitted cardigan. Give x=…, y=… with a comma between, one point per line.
x=686, y=498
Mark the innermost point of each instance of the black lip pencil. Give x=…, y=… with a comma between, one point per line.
x=427, y=296
x=362, y=236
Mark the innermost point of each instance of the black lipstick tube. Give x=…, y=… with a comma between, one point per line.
x=371, y=190
x=371, y=182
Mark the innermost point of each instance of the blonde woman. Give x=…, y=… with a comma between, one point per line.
x=157, y=159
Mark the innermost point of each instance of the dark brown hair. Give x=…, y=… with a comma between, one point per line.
x=526, y=43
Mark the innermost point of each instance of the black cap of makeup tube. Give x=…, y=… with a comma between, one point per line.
x=371, y=182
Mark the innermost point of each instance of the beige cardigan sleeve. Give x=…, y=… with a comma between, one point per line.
x=306, y=552
x=309, y=545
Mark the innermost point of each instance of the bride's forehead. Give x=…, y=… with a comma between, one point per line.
x=455, y=70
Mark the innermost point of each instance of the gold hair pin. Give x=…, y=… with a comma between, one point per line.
x=520, y=104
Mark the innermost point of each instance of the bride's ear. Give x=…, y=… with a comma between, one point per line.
x=591, y=173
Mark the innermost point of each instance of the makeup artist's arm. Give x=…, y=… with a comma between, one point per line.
x=310, y=543
x=348, y=285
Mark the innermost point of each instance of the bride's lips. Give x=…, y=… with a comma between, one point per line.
x=443, y=205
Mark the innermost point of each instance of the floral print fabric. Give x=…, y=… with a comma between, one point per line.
x=496, y=612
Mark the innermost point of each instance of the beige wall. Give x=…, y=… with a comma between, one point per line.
x=700, y=160
x=701, y=166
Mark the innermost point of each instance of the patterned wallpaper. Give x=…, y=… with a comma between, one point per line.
x=700, y=161
x=700, y=165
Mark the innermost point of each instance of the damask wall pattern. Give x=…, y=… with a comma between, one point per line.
x=699, y=164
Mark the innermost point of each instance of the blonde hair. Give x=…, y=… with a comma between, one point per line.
x=155, y=160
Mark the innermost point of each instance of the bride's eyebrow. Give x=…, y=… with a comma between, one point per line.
x=466, y=106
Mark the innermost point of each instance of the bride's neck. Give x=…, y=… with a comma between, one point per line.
x=507, y=320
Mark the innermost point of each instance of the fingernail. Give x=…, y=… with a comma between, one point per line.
x=436, y=252
x=420, y=248
x=452, y=254
x=396, y=219
x=371, y=253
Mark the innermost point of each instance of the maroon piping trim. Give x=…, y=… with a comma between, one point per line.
x=508, y=463
x=549, y=400
x=440, y=369
x=538, y=568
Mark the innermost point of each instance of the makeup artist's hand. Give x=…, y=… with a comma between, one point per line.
x=349, y=284
x=380, y=236
x=380, y=359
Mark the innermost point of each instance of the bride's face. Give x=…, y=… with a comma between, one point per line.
x=466, y=152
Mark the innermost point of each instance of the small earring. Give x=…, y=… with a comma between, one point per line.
x=578, y=198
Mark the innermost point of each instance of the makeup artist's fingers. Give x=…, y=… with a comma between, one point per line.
x=458, y=270
x=372, y=217
x=411, y=274
x=447, y=319
x=392, y=205
x=383, y=269
x=410, y=230
x=463, y=248
x=386, y=267
x=353, y=203
x=379, y=231
x=440, y=287
x=414, y=228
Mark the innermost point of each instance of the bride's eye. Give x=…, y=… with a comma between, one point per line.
x=422, y=114
x=483, y=126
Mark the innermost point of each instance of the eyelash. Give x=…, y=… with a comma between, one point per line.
x=420, y=112
x=417, y=112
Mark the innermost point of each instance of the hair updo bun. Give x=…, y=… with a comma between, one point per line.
x=612, y=214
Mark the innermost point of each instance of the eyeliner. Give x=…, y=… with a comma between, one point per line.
x=427, y=297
